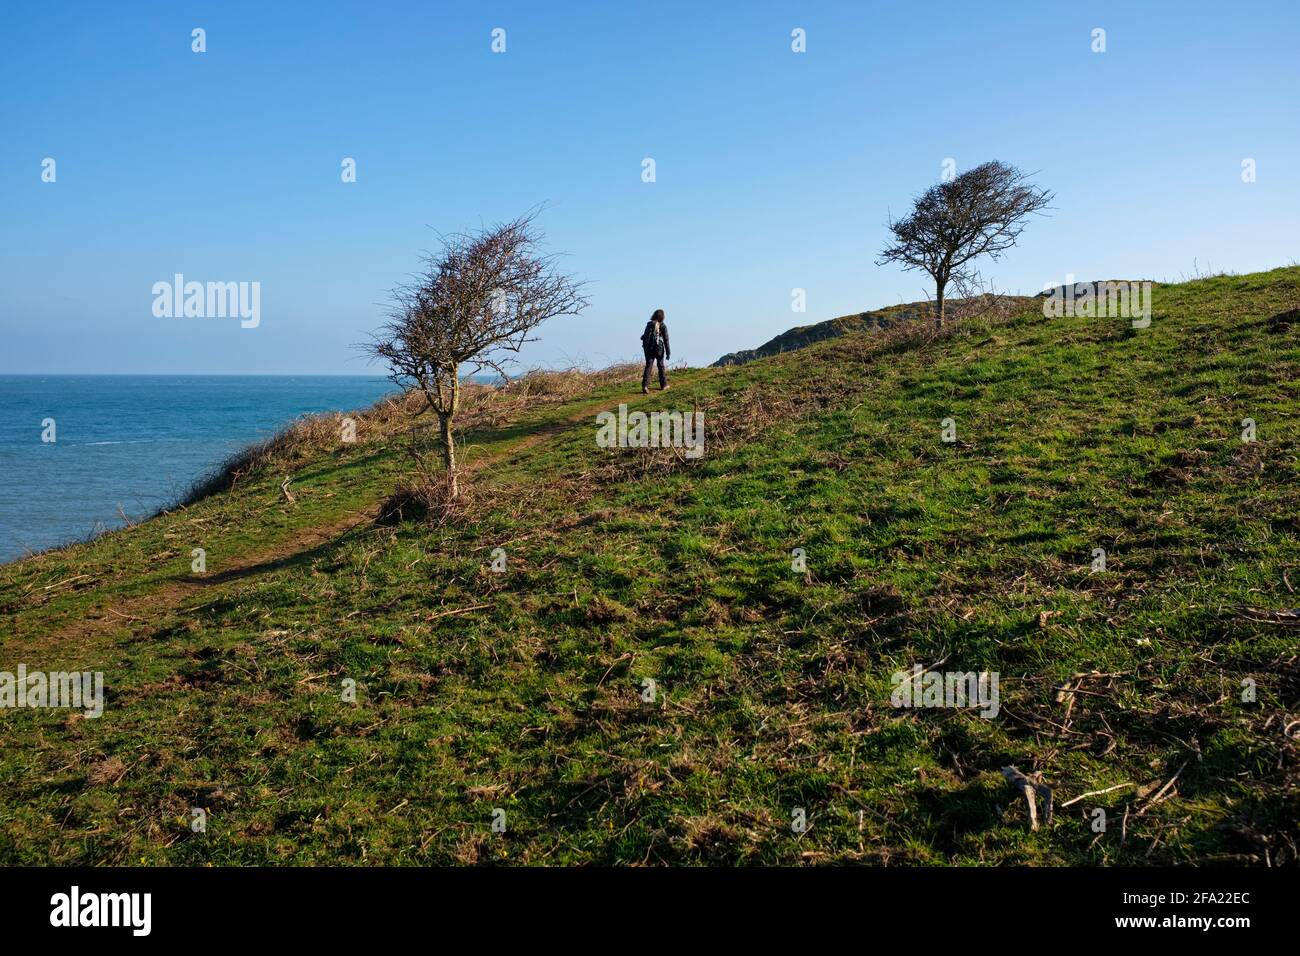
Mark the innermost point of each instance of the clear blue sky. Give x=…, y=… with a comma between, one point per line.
x=775, y=170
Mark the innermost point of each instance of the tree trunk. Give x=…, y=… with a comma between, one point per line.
x=444, y=405
x=448, y=440
x=448, y=453
x=938, y=305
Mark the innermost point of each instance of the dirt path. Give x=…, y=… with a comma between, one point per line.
x=140, y=613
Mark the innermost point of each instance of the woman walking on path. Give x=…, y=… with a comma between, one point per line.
x=654, y=343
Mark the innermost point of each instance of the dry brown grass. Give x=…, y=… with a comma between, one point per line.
x=563, y=384
x=421, y=499
x=404, y=416
x=482, y=406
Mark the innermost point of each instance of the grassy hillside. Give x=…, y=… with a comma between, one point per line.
x=801, y=336
x=523, y=690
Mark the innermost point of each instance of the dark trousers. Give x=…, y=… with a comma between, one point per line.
x=650, y=360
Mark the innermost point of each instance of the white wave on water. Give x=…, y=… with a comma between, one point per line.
x=132, y=441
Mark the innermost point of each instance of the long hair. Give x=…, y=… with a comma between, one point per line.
x=658, y=316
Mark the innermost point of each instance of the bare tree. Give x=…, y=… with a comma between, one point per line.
x=473, y=303
x=980, y=212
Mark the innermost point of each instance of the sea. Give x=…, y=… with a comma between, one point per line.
x=125, y=446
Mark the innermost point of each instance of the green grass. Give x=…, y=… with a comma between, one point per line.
x=772, y=685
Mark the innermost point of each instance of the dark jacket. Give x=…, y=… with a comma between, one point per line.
x=648, y=344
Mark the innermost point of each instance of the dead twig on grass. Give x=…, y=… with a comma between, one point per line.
x=459, y=610
x=1283, y=617
x=629, y=657
x=1028, y=787
x=1095, y=793
x=1160, y=795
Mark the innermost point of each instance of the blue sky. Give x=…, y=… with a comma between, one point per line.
x=775, y=170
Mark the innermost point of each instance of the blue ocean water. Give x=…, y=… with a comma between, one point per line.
x=136, y=442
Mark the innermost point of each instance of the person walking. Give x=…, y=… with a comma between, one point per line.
x=654, y=343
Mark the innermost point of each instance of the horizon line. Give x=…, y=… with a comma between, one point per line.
x=190, y=375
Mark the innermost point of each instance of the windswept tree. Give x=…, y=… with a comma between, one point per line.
x=473, y=303
x=978, y=213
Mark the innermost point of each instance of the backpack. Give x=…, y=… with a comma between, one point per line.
x=653, y=337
